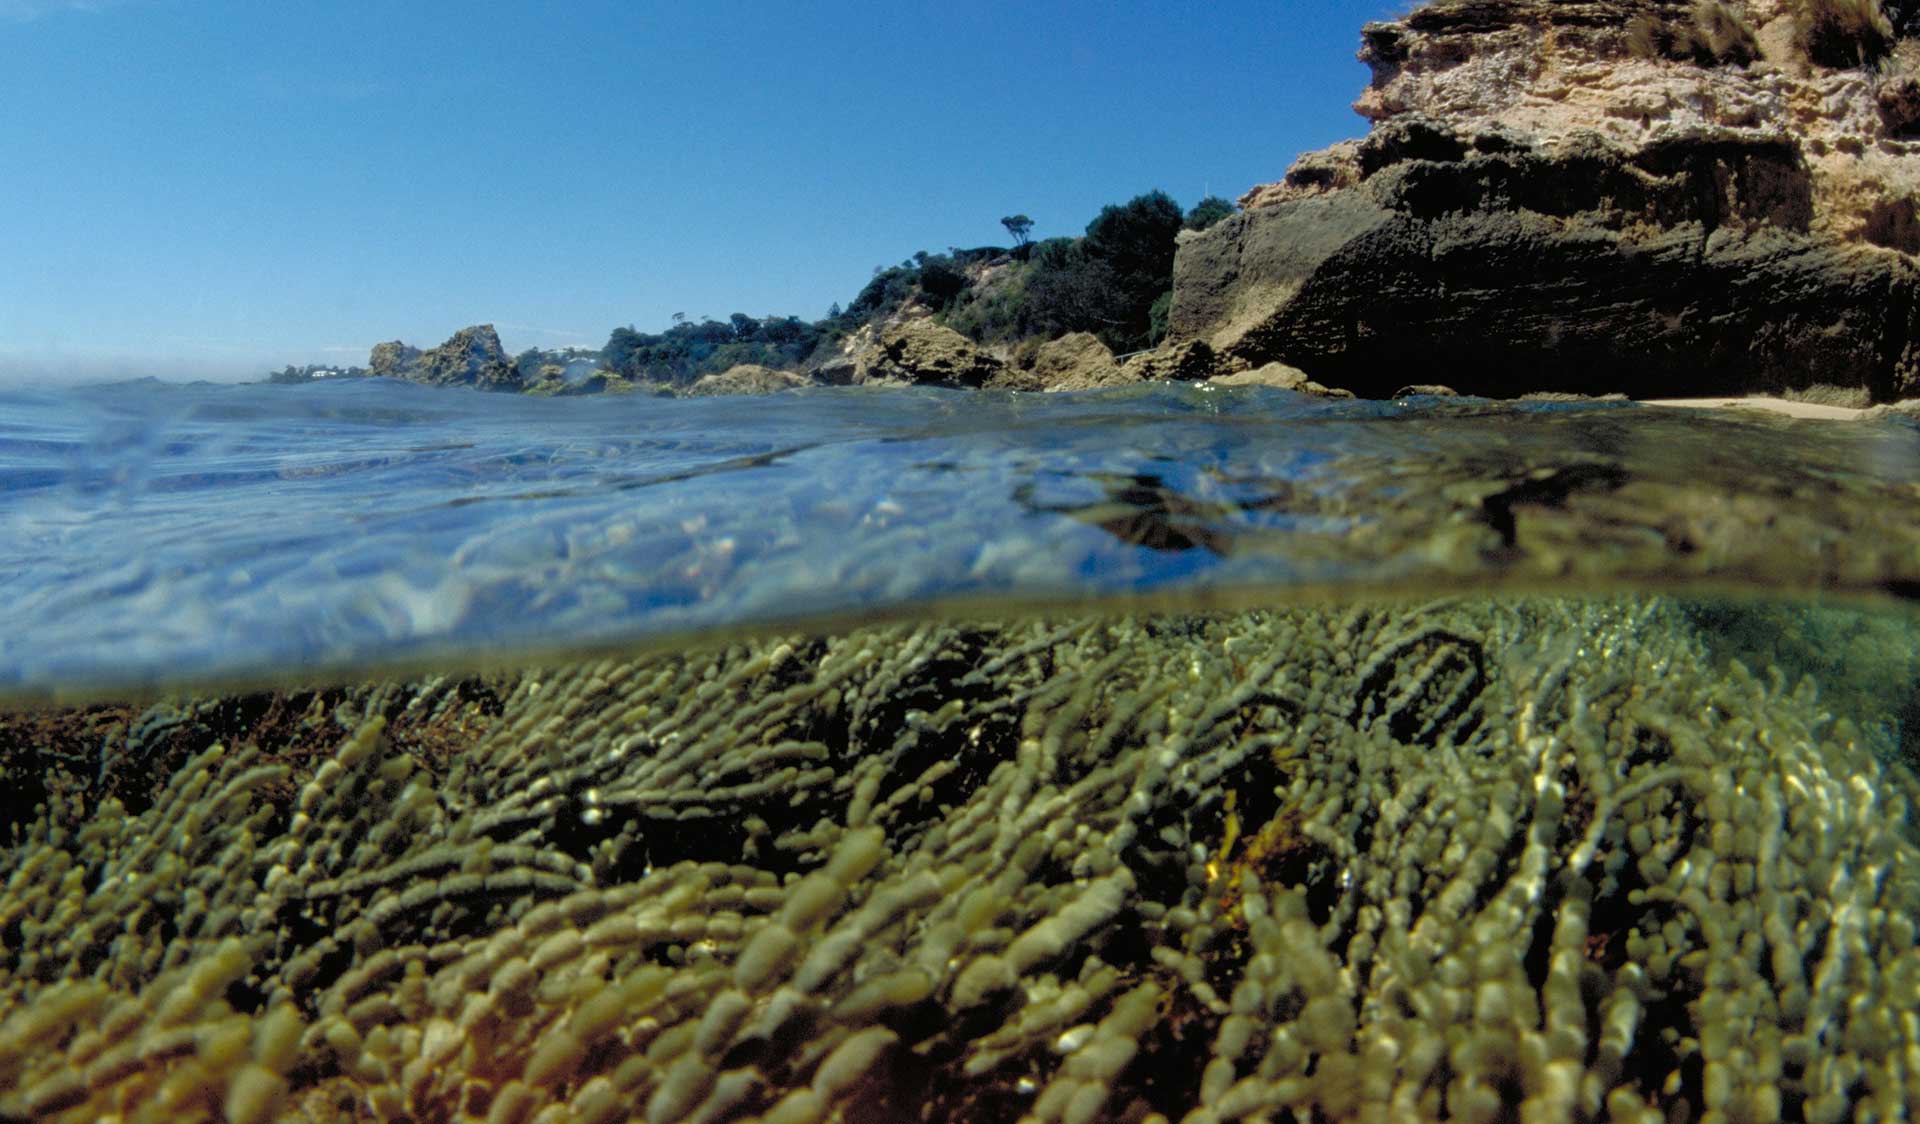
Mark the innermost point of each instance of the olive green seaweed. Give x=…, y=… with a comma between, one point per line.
x=1458, y=860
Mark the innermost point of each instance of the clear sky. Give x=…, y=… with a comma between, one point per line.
x=219, y=187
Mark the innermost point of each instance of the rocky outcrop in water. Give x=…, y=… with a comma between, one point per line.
x=746, y=378
x=1184, y=361
x=472, y=357
x=1279, y=376
x=1588, y=196
x=924, y=353
x=1076, y=361
x=393, y=360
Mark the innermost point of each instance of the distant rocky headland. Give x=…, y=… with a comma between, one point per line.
x=1640, y=197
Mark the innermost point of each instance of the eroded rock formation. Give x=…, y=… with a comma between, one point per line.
x=922, y=352
x=1591, y=196
x=471, y=357
x=1075, y=361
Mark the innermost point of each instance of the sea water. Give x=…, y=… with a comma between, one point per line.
x=153, y=533
x=1176, y=752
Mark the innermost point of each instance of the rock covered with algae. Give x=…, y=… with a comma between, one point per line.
x=1451, y=861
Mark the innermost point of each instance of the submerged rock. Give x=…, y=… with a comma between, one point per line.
x=1545, y=205
x=1528, y=859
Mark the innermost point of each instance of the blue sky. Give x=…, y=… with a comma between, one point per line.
x=216, y=187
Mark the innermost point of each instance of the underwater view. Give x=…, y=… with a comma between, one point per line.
x=1367, y=569
x=1165, y=754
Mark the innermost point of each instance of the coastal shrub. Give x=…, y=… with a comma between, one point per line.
x=1128, y=252
x=1073, y=290
x=1108, y=282
x=1157, y=317
x=1207, y=212
x=1054, y=253
x=1844, y=33
x=1722, y=34
x=941, y=281
x=1104, y=282
x=978, y=255
x=690, y=349
x=1136, y=237
x=1716, y=34
x=890, y=288
x=935, y=280
x=1647, y=37
x=993, y=312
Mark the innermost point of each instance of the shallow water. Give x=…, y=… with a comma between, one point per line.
x=153, y=533
x=1265, y=759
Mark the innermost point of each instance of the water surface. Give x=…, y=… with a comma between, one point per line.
x=152, y=533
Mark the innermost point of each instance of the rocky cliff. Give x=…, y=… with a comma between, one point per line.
x=1593, y=196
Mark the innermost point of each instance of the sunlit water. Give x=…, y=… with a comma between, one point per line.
x=153, y=533
x=1174, y=753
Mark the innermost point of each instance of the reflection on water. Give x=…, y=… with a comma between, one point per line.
x=1490, y=858
x=152, y=533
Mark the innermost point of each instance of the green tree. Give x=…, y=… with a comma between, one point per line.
x=890, y=287
x=1207, y=212
x=1134, y=243
x=1079, y=293
x=1021, y=227
x=1136, y=237
x=941, y=280
x=1157, y=318
x=621, y=354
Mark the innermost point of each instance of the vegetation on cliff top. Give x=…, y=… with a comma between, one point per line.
x=1109, y=281
x=1114, y=281
x=1831, y=33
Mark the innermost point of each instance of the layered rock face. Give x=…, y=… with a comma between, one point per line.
x=1582, y=196
x=472, y=357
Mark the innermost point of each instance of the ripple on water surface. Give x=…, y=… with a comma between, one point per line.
x=152, y=532
x=1419, y=842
